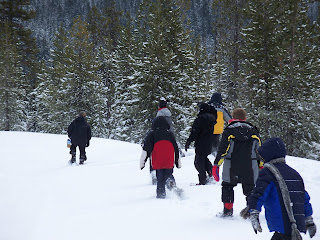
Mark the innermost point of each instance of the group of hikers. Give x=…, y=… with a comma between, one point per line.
x=259, y=167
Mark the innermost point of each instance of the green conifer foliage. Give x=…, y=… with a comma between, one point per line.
x=165, y=63
x=12, y=91
x=14, y=13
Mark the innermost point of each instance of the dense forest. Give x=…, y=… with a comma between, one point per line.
x=115, y=59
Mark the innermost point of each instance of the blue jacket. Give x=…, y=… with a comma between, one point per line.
x=267, y=192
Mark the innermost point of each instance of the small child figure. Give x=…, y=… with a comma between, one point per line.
x=160, y=145
x=237, y=151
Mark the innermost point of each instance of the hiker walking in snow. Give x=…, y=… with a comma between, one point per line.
x=237, y=151
x=280, y=189
x=222, y=116
x=161, y=147
x=79, y=132
x=202, y=135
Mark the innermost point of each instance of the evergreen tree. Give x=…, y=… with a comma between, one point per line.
x=261, y=64
x=165, y=64
x=51, y=95
x=83, y=87
x=298, y=75
x=229, y=20
x=125, y=88
x=12, y=90
x=15, y=13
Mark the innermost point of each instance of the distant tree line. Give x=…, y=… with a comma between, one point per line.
x=266, y=59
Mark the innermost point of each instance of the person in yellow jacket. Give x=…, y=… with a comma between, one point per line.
x=222, y=116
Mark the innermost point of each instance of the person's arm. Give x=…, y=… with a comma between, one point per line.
x=195, y=132
x=226, y=115
x=222, y=149
x=70, y=129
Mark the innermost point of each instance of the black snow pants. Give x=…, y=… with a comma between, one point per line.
x=203, y=166
x=82, y=152
x=228, y=192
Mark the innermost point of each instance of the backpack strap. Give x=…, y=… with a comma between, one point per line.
x=295, y=234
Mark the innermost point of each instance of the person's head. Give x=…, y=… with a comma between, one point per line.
x=162, y=103
x=82, y=114
x=204, y=107
x=239, y=113
x=216, y=98
x=272, y=148
x=160, y=123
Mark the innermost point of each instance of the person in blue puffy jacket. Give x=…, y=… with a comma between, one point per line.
x=269, y=192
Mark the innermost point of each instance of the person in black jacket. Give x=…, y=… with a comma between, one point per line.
x=79, y=132
x=160, y=145
x=237, y=151
x=202, y=135
x=222, y=116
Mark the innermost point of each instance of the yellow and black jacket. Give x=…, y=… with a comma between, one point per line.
x=237, y=151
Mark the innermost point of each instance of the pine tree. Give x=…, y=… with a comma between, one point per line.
x=83, y=87
x=51, y=95
x=125, y=87
x=165, y=63
x=229, y=20
x=14, y=13
x=12, y=91
x=298, y=74
x=261, y=64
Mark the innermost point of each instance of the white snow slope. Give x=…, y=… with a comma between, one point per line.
x=44, y=198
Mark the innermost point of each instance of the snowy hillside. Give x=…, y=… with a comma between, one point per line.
x=44, y=198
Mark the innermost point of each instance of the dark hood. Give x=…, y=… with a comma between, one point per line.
x=242, y=130
x=80, y=119
x=272, y=148
x=216, y=98
x=160, y=123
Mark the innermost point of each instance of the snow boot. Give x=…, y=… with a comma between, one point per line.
x=245, y=213
x=82, y=159
x=227, y=210
x=170, y=184
x=73, y=157
x=153, y=177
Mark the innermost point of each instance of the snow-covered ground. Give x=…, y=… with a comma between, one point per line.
x=44, y=198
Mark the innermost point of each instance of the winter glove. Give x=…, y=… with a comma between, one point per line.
x=88, y=143
x=254, y=218
x=143, y=159
x=245, y=213
x=310, y=226
x=178, y=163
x=215, y=172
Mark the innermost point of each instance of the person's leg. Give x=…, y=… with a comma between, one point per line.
x=247, y=187
x=199, y=164
x=152, y=173
x=208, y=166
x=215, y=144
x=73, y=153
x=83, y=156
x=170, y=181
x=161, y=182
x=280, y=236
x=227, y=198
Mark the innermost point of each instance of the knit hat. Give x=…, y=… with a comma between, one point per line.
x=271, y=149
x=162, y=102
x=216, y=98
